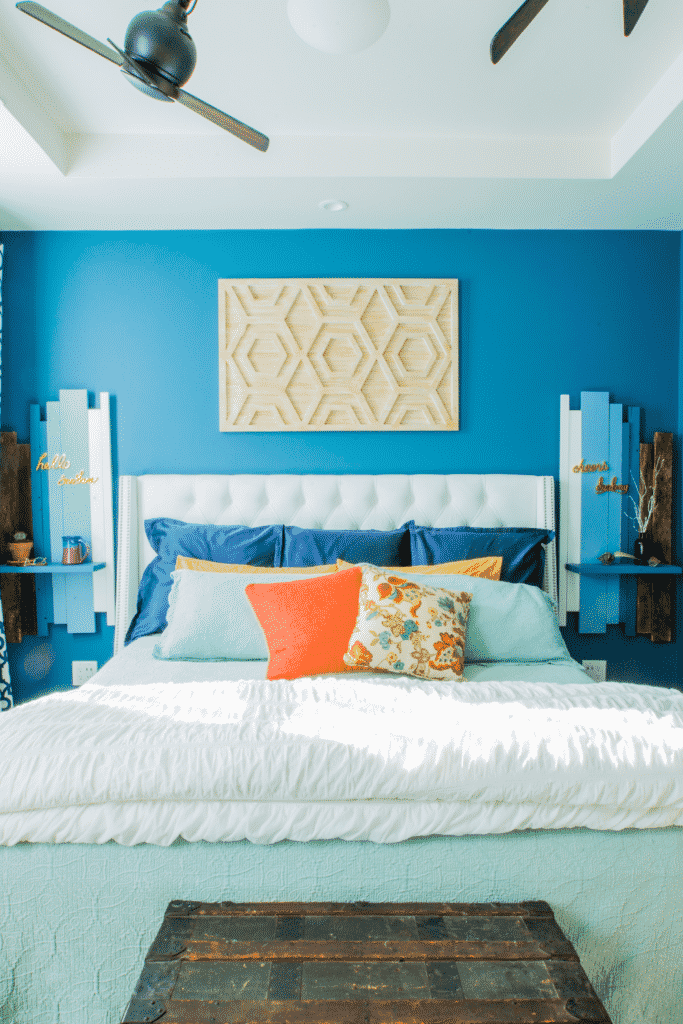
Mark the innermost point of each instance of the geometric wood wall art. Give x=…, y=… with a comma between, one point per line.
x=77, y=440
x=338, y=354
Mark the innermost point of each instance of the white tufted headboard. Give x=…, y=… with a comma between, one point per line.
x=324, y=502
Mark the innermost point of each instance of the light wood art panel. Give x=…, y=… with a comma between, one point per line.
x=338, y=354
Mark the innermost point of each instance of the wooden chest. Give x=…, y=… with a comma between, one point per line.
x=362, y=963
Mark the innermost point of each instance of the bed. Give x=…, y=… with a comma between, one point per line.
x=92, y=853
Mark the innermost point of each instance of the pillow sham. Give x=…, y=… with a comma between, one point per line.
x=409, y=628
x=258, y=545
x=210, y=619
x=488, y=568
x=507, y=621
x=521, y=548
x=308, y=622
x=201, y=565
x=304, y=547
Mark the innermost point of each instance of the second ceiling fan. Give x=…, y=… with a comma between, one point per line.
x=524, y=15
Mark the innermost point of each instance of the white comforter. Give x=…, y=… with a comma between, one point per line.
x=374, y=758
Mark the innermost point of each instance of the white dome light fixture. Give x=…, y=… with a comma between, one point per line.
x=339, y=26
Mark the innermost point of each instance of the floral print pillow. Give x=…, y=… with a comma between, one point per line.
x=408, y=628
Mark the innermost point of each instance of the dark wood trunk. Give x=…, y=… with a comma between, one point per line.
x=362, y=963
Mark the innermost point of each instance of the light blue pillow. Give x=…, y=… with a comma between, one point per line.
x=507, y=621
x=210, y=618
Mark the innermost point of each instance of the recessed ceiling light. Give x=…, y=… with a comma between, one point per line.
x=339, y=26
x=333, y=205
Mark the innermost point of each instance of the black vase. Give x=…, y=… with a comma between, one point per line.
x=642, y=548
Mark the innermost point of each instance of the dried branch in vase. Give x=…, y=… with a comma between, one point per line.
x=645, y=505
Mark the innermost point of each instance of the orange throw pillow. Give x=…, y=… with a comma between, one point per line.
x=308, y=622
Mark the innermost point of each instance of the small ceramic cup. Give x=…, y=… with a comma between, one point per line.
x=71, y=550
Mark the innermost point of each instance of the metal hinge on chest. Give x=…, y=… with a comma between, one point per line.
x=152, y=993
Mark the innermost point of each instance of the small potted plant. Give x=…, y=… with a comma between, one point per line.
x=20, y=547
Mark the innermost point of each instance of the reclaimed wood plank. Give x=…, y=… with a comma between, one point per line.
x=662, y=589
x=370, y=1011
x=452, y=949
x=644, y=596
x=526, y=908
x=18, y=593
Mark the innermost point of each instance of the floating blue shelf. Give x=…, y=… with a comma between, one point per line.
x=622, y=567
x=54, y=567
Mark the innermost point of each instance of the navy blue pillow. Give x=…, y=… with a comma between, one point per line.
x=240, y=545
x=521, y=548
x=323, y=547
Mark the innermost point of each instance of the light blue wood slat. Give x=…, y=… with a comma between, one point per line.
x=627, y=593
x=41, y=518
x=629, y=584
x=80, y=615
x=614, y=504
x=54, y=447
x=594, y=508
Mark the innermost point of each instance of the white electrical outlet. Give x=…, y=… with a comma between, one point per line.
x=82, y=671
x=597, y=670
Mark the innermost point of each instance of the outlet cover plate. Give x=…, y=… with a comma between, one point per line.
x=597, y=670
x=82, y=671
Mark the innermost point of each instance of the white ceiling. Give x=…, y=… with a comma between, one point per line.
x=576, y=127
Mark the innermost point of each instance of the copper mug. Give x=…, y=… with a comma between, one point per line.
x=71, y=550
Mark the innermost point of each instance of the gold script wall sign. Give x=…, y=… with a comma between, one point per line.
x=602, y=488
x=591, y=467
x=338, y=354
x=61, y=462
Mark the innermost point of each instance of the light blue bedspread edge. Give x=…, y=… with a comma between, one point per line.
x=78, y=920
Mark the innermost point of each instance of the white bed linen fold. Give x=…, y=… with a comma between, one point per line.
x=379, y=758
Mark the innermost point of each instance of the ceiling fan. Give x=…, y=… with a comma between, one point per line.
x=524, y=15
x=158, y=56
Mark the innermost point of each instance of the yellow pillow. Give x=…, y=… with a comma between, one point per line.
x=200, y=565
x=488, y=567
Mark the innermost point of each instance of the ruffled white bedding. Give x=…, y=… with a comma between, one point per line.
x=378, y=758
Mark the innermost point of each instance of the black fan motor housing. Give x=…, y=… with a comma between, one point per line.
x=159, y=40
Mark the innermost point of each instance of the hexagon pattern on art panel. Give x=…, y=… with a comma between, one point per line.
x=338, y=354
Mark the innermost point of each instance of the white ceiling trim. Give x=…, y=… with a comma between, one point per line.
x=15, y=96
x=661, y=101
x=386, y=156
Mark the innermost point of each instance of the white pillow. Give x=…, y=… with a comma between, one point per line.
x=210, y=618
x=507, y=621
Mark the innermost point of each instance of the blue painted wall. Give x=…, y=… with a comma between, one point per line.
x=541, y=313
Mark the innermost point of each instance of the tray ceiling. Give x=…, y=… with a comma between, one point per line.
x=576, y=127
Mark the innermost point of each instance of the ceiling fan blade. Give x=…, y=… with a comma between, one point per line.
x=67, y=29
x=242, y=131
x=514, y=26
x=632, y=11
